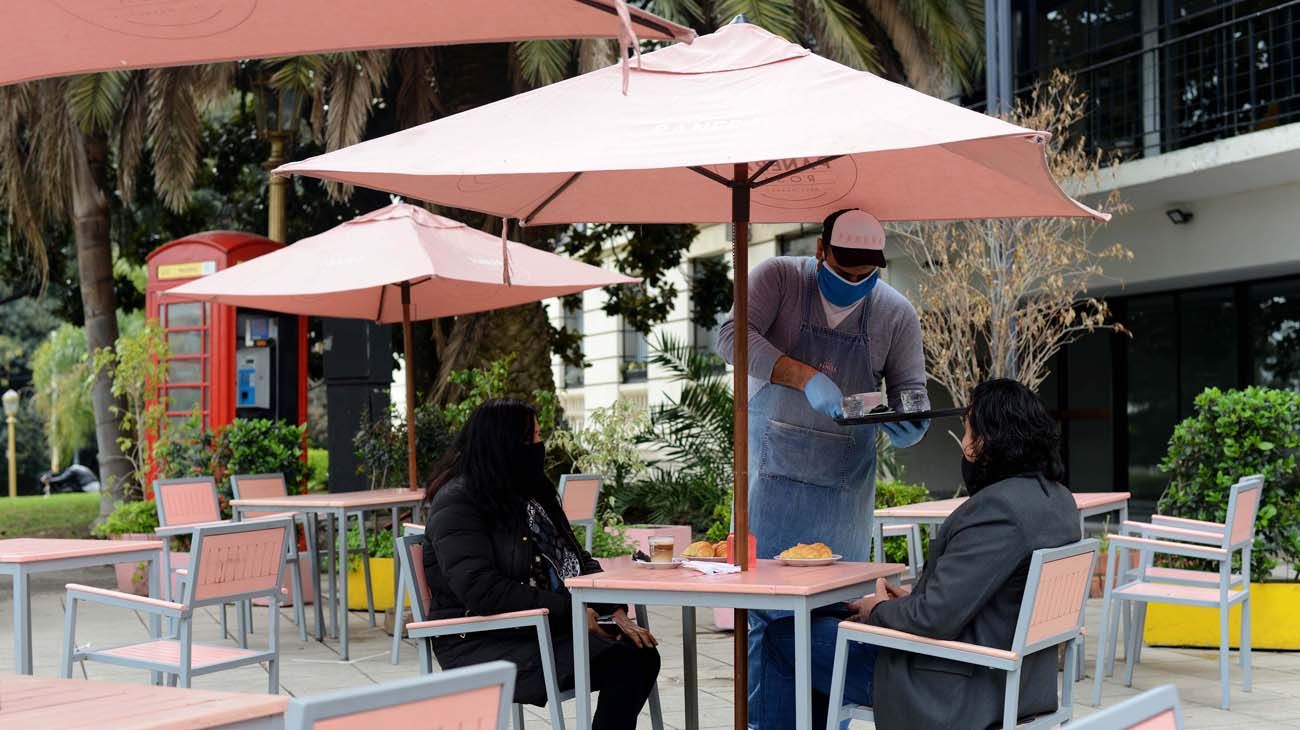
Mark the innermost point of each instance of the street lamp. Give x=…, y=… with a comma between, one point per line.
x=11, y=413
x=278, y=112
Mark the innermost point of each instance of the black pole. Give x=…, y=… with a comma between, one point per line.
x=407, y=348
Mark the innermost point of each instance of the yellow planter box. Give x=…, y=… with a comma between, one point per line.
x=1273, y=608
x=381, y=582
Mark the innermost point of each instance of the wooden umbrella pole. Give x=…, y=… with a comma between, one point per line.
x=407, y=347
x=740, y=505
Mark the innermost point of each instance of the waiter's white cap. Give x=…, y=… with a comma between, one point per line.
x=859, y=230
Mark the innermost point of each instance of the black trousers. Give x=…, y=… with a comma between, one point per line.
x=624, y=675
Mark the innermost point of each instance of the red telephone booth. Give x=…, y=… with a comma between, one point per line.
x=226, y=361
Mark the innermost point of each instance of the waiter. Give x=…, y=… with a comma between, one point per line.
x=819, y=329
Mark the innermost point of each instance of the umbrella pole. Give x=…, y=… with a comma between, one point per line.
x=740, y=388
x=407, y=346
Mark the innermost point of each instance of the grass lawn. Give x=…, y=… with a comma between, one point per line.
x=60, y=515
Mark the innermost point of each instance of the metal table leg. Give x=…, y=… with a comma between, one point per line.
x=332, y=552
x=690, y=668
x=342, y=517
x=22, y=623
x=581, y=665
x=803, y=667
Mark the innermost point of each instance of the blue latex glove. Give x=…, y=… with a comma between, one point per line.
x=824, y=395
x=903, y=434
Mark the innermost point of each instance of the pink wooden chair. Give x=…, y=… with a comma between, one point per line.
x=1051, y=613
x=1157, y=709
x=580, y=494
x=411, y=556
x=1221, y=589
x=255, y=486
x=185, y=503
x=229, y=562
x=473, y=697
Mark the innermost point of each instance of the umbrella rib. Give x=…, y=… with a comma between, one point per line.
x=761, y=170
x=710, y=174
x=760, y=183
x=551, y=198
x=379, y=313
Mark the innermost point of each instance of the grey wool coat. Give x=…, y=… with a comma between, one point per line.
x=970, y=591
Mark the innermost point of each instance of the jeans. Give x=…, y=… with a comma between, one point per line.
x=778, y=684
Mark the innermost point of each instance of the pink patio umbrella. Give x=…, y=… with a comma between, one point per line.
x=48, y=38
x=738, y=126
x=398, y=264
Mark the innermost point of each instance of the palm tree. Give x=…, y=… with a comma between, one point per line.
x=59, y=140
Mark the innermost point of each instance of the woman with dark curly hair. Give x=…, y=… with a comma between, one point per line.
x=972, y=584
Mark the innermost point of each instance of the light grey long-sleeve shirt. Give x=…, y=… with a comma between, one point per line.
x=777, y=288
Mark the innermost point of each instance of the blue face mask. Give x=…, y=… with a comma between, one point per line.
x=843, y=293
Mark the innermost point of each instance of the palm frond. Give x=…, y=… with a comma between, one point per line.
x=355, y=80
x=417, y=91
x=50, y=154
x=95, y=98
x=15, y=106
x=131, y=131
x=777, y=16
x=543, y=62
x=175, y=128
x=685, y=12
x=947, y=27
x=838, y=31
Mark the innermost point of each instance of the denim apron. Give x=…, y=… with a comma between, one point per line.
x=810, y=480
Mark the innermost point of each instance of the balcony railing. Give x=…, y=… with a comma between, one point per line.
x=1227, y=70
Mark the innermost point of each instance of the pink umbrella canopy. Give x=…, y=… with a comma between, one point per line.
x=356, y=270
x=397, y=264
x=579, y=151
x=48, y=38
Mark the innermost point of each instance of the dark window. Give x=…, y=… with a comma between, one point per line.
x=635, y=353
x=1274, y=311
x=1152, y=389
x=573, y=322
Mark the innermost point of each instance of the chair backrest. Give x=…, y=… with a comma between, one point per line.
x=186, y=501
x=1157, y=709
x=237, y=560
x=256, y=486
x=579, y=494
x=1055, y=592
x=1243, y=505
x=411, y=556
x=477, y=697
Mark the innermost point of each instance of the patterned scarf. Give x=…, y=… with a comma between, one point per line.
x=554, y=559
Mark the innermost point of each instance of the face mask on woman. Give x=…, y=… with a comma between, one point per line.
x=528, y=467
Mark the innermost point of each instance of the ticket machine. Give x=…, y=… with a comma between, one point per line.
x=226, y=361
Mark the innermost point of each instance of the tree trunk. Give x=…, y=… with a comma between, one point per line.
x=99, y=302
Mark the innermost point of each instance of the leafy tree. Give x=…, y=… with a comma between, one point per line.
x=61, y=379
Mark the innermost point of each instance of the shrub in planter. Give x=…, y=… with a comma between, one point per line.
x=890, y=493
x=1233, y=434
x=380, y=543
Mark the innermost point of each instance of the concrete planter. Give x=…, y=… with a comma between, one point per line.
x=1273, y=608
x=133, y=577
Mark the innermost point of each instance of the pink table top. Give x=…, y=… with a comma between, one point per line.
x=768, y=578
x=941, y=508
x=36, y=550
x=76, y=704
x=340, y=500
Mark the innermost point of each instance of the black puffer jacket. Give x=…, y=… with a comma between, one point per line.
x=478, y=564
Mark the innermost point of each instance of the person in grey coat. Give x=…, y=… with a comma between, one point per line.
x=972, y=584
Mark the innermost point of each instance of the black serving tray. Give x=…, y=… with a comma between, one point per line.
x=895, y=416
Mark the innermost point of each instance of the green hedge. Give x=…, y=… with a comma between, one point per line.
x=66, y=516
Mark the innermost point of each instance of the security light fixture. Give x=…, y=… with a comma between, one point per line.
x=11, y=403
x=1179, y=217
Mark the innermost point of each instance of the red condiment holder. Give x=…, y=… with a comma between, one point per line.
x=753, y=550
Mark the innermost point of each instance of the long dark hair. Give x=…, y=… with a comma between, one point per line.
x=1014, y=432
x=484, y=451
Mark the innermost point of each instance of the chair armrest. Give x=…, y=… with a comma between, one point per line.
x=1171, y=533
x=1202, y=525
x=956, y=650
x=1167, y=547
x=174, y=530
x=476, y=624
x=896, y=530
x=108, y=597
